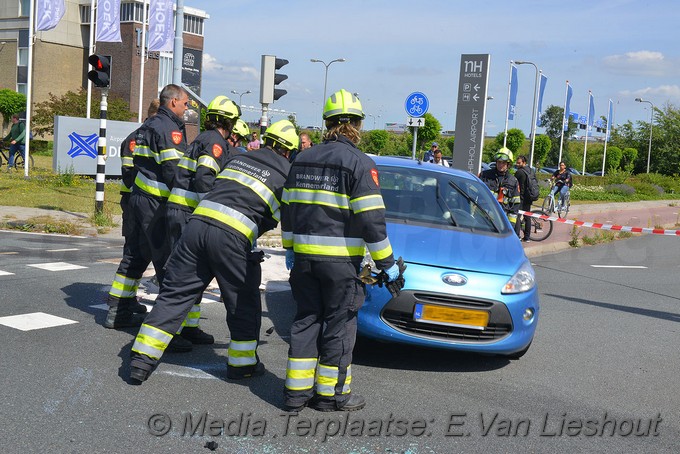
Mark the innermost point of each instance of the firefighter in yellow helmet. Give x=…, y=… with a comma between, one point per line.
x=217, y=243
x=503, y=184
x=239, y=135
x=332, y=211
x=196, y=172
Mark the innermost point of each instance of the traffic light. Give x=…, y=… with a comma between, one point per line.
x=101, y=74
x=269, y=79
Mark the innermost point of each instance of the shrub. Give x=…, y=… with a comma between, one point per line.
x=616, y=177
x=646, y=189
x=621, y=189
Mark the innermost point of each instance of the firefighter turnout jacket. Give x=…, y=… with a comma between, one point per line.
x=160, y=144
x=333, y=209
x=506, y=189
x=239, y=207
x=198, y=168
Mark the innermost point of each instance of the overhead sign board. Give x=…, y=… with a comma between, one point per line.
x=470, y=113
x=416, y=104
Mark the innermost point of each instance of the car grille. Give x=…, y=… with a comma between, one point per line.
x=398, y=313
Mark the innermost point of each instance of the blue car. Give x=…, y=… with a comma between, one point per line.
x=469, y=285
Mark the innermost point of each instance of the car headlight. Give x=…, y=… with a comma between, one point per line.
x=522, y=281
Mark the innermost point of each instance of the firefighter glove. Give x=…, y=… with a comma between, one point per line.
x=290, y=259
x=392, y=272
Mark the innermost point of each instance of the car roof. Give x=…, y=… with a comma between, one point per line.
x=399, y=161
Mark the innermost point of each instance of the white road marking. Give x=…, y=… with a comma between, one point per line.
x=632, y=267
x=6, y=273
x=63, y=250
x=9, y=253
x=43, y=234
x=35, y=320
x=57, y=266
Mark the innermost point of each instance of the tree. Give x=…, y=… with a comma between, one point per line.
x=374, y=141
x=542, y=146
x=665, y=158
x=514, y=141
x=613, y=159
x=552, y=120
x=11, y=103
x=73, y=104
x=628, y=159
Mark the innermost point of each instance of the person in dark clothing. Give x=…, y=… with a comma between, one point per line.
x=159, y=145
x=332, y=212
x=522, y=175
x=217, y=243
x=503, y=184
x=562, y=178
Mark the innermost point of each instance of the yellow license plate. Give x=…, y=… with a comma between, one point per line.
x=451, y=315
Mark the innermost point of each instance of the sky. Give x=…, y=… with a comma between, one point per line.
x=618, y=49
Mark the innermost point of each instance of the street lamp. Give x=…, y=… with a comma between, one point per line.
x=374, y=117
x=651, y=121
x=325, y=83
x=240, y=95
x=533, y=111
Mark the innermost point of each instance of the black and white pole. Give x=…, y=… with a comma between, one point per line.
x=101, y=156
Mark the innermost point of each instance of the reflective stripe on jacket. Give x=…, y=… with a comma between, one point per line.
x=246, y=196
x=160, y=144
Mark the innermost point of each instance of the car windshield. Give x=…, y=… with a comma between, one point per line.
x=440, y=200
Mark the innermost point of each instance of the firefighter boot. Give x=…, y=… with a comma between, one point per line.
x=196, y=335
x=354, y=403
x=121, y=314
x=178, y=344
x=239, y=373
x=139, y=370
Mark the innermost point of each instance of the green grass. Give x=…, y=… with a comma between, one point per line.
x=45, y=189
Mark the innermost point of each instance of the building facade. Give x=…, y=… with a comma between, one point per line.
x=60, y=55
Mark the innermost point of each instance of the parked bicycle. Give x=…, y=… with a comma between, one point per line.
x=540, y=228
x=550, y=205
x=18, y=158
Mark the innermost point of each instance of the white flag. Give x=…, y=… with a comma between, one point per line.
x=161, y=31
x=108, y=21
x=49, y=13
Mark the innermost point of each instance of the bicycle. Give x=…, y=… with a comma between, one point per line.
x=541, y=229
x=18, y=158
x=550, y=206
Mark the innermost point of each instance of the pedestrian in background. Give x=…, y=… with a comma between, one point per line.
x=438, y=160
x=254, y=143
x=522, y=175
x=429, y=154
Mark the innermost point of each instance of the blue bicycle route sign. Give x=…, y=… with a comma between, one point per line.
x=416, y=104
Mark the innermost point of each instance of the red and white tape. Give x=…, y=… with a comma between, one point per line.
x=596, y=225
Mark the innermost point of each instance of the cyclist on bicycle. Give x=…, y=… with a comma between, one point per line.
x=562, y=179
x=504, y=185
x=16, y=139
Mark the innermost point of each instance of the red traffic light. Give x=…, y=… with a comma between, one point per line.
x=101, y=74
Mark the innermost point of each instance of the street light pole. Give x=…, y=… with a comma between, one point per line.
x=533, y=111
x=325, y=83
x=240, y=95
x=651, y=122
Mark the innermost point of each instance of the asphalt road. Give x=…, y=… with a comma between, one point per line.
x=601, y=375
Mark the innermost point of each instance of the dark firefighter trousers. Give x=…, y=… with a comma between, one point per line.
x=145, y=243
x=328, y=296
x=203, y=252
